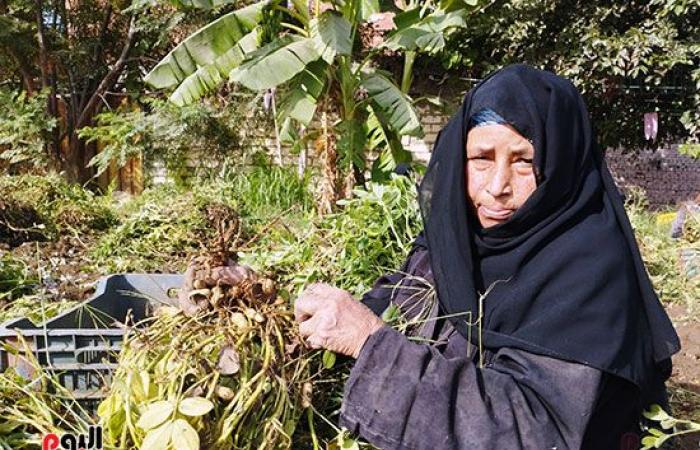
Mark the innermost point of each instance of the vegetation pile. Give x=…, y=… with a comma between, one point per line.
x=19, y=223
x=225, y=369
x=57, y=207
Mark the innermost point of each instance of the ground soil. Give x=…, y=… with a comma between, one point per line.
x=684, y=385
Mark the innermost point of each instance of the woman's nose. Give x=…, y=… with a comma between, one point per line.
x=499, y=184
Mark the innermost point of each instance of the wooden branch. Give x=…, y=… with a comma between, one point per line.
x=41, y=38
x=111, y=77
x=95, y=55
x=24, y=69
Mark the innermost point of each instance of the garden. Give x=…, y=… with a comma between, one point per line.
x=142, y=138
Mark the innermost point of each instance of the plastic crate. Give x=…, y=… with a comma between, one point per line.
x=81, y=344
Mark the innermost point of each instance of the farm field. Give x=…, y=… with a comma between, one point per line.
x=58, y=240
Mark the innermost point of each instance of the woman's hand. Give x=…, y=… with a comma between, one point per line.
x=330, y=318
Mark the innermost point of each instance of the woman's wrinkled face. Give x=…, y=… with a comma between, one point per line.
x=499, y=170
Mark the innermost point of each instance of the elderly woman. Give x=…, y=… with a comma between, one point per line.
x=547, y=333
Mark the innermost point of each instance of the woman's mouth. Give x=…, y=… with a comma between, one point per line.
x=495, y=213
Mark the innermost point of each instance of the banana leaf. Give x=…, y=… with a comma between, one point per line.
x=205, y=46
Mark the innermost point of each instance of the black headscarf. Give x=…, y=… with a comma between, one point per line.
x=573, y=285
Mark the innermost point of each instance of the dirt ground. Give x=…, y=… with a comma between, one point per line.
x=684, y=385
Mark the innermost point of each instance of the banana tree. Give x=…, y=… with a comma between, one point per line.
x=310, y=51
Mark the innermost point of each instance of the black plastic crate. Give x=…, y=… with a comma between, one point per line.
x=81, y=344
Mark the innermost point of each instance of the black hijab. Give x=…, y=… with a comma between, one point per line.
x=573, y=285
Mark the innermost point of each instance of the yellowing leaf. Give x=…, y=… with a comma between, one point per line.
x=158, y=438
x=349, y=444
x=155, y=414
x=656, y=413
x=184, y=436
x=195, y=406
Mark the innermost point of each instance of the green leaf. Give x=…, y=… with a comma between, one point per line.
x=451, y=5
x=195, y=406
x=205, y=46
x=390, y=105
x=276, y=63
x=207, y=78
x=351, y=143
x=426, y=34
x=349, y=444
x=158, y=438
x=367, y=8
x=667, y=424
x=654, y=432
x=392, y=313
x=656, y=413
x=202, y=4
x=184, y=436
x=155, y=414
x=407, y=18
x=331, y=34
x=300, y=101
x=328, y=359
x=431, y=43
x=648, y=442
x=301, y=7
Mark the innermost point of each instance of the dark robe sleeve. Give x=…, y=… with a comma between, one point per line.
x=404, y=395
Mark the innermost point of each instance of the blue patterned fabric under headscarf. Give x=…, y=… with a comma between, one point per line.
x=485, y=117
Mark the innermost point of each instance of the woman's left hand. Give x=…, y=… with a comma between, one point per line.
x=330, y=318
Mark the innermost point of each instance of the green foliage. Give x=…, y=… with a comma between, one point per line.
x=174, y=135
x=15, y=279
x=670, y=427
x=371, y=234
x=24, y=124
x=156, y=233
x=264, y=192
x=627, y=57
x=34, y=407
x=164, y=226
x=63, y=207
x=316, y=60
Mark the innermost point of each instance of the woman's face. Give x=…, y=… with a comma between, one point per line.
x=499, y=172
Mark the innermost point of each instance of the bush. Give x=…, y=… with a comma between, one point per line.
x=62, y=207
x=661, y=252
x=24, y=125
x=351, y=248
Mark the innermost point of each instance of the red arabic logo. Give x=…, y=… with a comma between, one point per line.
x=70, y=441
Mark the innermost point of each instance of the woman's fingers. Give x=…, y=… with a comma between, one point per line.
x=308, y=303
x=316, y=342
x=309, y=326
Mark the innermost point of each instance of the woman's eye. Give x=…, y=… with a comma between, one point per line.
x=480, y=162
x=524, y=161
